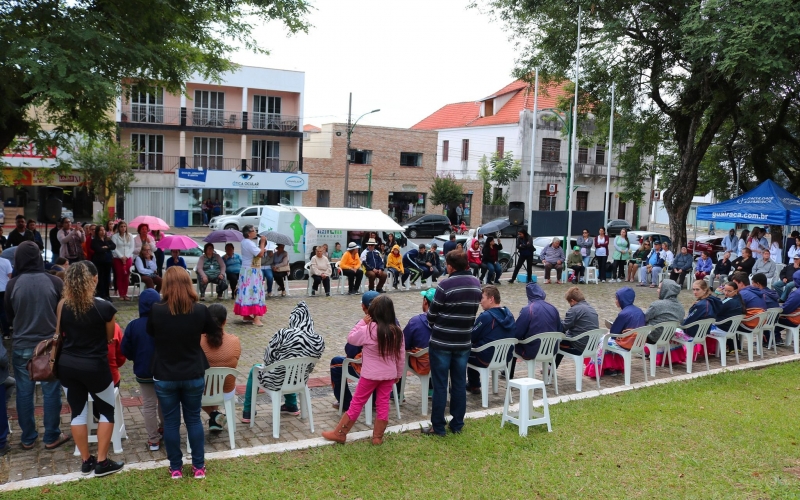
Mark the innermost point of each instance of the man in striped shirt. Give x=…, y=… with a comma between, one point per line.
x=451, y=317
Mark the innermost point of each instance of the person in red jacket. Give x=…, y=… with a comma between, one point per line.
x=474, y=257
x=115, y=357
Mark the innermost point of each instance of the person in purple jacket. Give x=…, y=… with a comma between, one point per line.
x=539, y=316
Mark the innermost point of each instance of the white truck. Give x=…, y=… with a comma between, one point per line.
x=311, y=226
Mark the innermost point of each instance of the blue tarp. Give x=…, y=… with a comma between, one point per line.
x=768, y=203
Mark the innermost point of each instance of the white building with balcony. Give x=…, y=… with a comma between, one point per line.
x=503, y=122
x=238, y=142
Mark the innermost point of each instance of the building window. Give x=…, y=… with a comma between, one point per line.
x=582, y=203
x=149, y=151
x=357, y=199
x=209, y=108
x=501, y=146
x=551, y=150
x=546, y=203
x=410, y=159
x=208, y=153
x=323, y=197
x=148, y=106
x=445, y=150
x=583, y=155
x=361, y=156
x=266, y=156
x=266, y=112
x=600, y=154
x=464, y=149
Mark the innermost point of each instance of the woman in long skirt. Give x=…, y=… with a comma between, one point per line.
x=250, y=299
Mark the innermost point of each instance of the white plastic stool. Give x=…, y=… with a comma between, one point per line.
x=592, y=275
x=526, y=386
x=117, y=435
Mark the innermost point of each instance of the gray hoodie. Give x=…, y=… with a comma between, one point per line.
x=666, y=308
x=31, y=298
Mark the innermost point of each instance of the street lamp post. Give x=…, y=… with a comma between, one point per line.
x=350, y=129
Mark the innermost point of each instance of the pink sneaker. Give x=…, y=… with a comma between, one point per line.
x=176, y=474
x=199, y=473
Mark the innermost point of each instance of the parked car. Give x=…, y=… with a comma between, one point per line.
x=238, y=219
x=637, y=237
x=426, y=225
x=710, y=244
x=509, y=232
x=615, y=226
x=503, y=257
x=542, y=241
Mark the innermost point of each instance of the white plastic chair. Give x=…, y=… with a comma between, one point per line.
x=295, y=381
x=307, y=267
x=343, y=281
x=729, y=334
x=499, y=362
x=546, y=355
x=773, y=314
x=703, y=326
x=117, y=434
x=595, y=337
x=424, y=380
x=368, y=406
x=211, y=291
x=664, y=340
x=792, y=332
x=754, y=334
x=637, y=349
x=138, y=286
x=213, y=395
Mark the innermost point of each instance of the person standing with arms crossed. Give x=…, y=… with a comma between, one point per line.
x=451, y=317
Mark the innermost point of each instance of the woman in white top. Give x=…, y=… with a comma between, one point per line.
x=320, y=271
x=144, y=236
x=147, y=268
x=121, y=263
x=743, y=241
x=250, y=300
x=793, y=250
x=776, y=248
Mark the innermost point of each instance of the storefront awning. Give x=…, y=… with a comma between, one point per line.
x=348, y=219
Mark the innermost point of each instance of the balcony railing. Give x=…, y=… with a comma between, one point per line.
x=213, y=163
x=273, y=121
x=273, y=165
x=151, y=113
x=217, y=118
x=156, y=162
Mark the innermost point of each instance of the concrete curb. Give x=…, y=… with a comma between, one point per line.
x=355, y=436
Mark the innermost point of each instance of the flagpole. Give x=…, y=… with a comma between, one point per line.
x=533, y=149
x=574, y=137
x=607, y=203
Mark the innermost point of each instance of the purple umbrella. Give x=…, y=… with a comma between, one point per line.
x=223, y=236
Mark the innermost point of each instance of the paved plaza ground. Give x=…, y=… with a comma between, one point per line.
x=333, y=318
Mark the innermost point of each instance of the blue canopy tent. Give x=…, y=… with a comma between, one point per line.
x=766, y=204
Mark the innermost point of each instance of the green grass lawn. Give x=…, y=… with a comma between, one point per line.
x=726, y=436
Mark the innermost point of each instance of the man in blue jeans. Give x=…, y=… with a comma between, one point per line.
x=451, y=317
x=31, y=300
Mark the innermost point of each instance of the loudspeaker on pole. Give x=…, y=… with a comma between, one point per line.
x=49, y=204
x=516, y=213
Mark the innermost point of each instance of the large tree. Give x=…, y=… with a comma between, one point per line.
x=64, y=63
x=690, y=63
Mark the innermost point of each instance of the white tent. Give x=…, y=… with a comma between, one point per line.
x=348, y=219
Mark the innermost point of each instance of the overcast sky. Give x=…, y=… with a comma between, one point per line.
x=406, y=58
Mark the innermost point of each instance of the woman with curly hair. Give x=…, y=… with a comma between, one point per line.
x=87, y=326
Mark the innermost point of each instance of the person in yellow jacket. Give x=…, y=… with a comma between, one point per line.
x=350, y=266
x=394, y=265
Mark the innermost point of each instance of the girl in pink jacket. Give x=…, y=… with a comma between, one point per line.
x=383, y=357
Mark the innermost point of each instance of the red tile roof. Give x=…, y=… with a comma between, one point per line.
x=466, y=114
x=311, y=128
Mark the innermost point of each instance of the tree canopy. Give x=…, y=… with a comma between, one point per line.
x=680, y=68
x=106, y=166
x=446, y=191
x=63, y=63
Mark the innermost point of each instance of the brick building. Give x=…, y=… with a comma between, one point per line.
x=402, y=162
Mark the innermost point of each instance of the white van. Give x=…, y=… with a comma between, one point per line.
x=238, y=219
x=311, y=226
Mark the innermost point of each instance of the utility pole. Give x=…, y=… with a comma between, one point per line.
x=574, y=135
x=369, y=189
x=347, y=164
x=533, y=149
x=608, y=152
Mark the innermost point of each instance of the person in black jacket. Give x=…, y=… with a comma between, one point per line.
x=178, y=365
x=101, y=257
x=20, y=233
x=489, y=260
x=525, y=251
x=745, y=262
x=55, y=245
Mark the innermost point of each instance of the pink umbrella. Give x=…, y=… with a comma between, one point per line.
x=153, y=222
x=176, y=242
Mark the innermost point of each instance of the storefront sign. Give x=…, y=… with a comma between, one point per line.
x=223, y=179
x=40, y=177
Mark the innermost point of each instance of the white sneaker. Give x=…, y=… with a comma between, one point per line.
x=602, y=281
